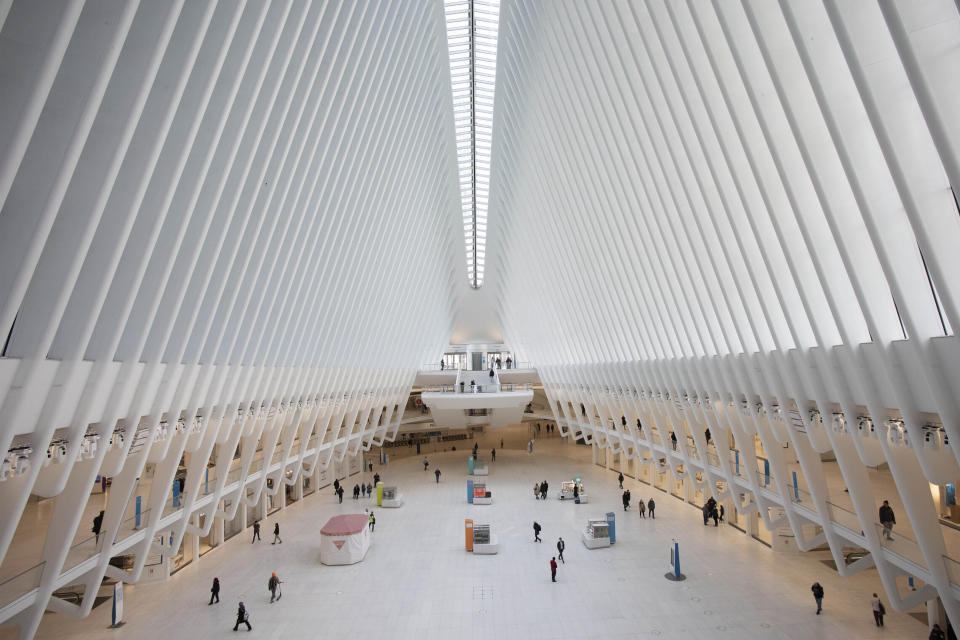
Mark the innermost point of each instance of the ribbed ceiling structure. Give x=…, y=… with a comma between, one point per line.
x=739, y=216
x=223, y=223
x=238, y=227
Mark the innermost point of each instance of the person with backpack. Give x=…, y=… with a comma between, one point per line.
x=818, y=596
x=256, y=531
x=215, y=591
x=276, y=527
x=536, y=531
x=878, y=610
x=651, y=505
x=242, y=618
x=274, y=586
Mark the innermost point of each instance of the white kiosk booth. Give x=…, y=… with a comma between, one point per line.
x=479, y=539
x=567, y=491
x=596, y=534
x=391, y=498
x=345, y=539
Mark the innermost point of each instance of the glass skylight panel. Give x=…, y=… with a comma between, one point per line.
x=472, y=45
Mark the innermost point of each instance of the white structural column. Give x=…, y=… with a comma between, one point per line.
x=228, y=238
x=740, y=216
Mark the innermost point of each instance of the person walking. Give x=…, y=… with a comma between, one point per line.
x=721, y=512
x=536, y=490
x=493, y=454
x=536, y=531
x=356, y=492
x=336, y=486
x=673, y=440
x=818, y=596
x=651, y=505
x=276, y=526
x=936, y=633
x=887, y=519
x=543, y=490
x=561, y=545
x=97, y=524
x=376, y=479
x=426, y=463
x=878, y=610
x=643, y=509
x=553, y=569
x=576, y=493
x=340, y=495
x=242, y=618
x=620, y=479
x=369, y=489
x=215, y=591
x=501, y=443
x=437, y=474
x=626, y=499
x=256, y=531
x=373, y=521
x=363, y=490
x=274, y=586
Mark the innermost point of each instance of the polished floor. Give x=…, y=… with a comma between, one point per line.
x=418, y=582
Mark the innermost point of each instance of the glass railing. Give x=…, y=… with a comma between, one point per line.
x=845, y=518
x=953, y=570
x=80, y=551
x=20, y=584
x=131, y=525
x=901, y=544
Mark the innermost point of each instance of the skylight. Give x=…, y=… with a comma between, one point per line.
x=472, y=43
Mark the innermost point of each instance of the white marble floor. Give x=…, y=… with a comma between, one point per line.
x=418, y=582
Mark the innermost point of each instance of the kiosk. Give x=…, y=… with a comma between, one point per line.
x=479, y=467
x=566, y=490
x=389, y=498
x=345, y=539
x=479, y=540
x=477, y=493
x=596, y=534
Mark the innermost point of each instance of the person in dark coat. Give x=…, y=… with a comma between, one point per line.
x=369, y=489
x=340, y=495
x=363, y=490
x=215, y=591
x=553, y=569
x=336, y=486
x=436, y=472
x=887, y=519
x=818, y=596
x=543, y=490
x=276, y=526
x=493, y=455
x=620, y=479
x=936, y=633
x=97, y=524
x=626, y=499
x=561, y=545
x=274, y=586
x=651, y=505
x=256, y=531
x=242, y=618
x=536, y=531
x=356, y=492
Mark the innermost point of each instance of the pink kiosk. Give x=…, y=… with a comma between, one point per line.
x=345, y=539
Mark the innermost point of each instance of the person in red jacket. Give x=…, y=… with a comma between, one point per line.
x=553, y=569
